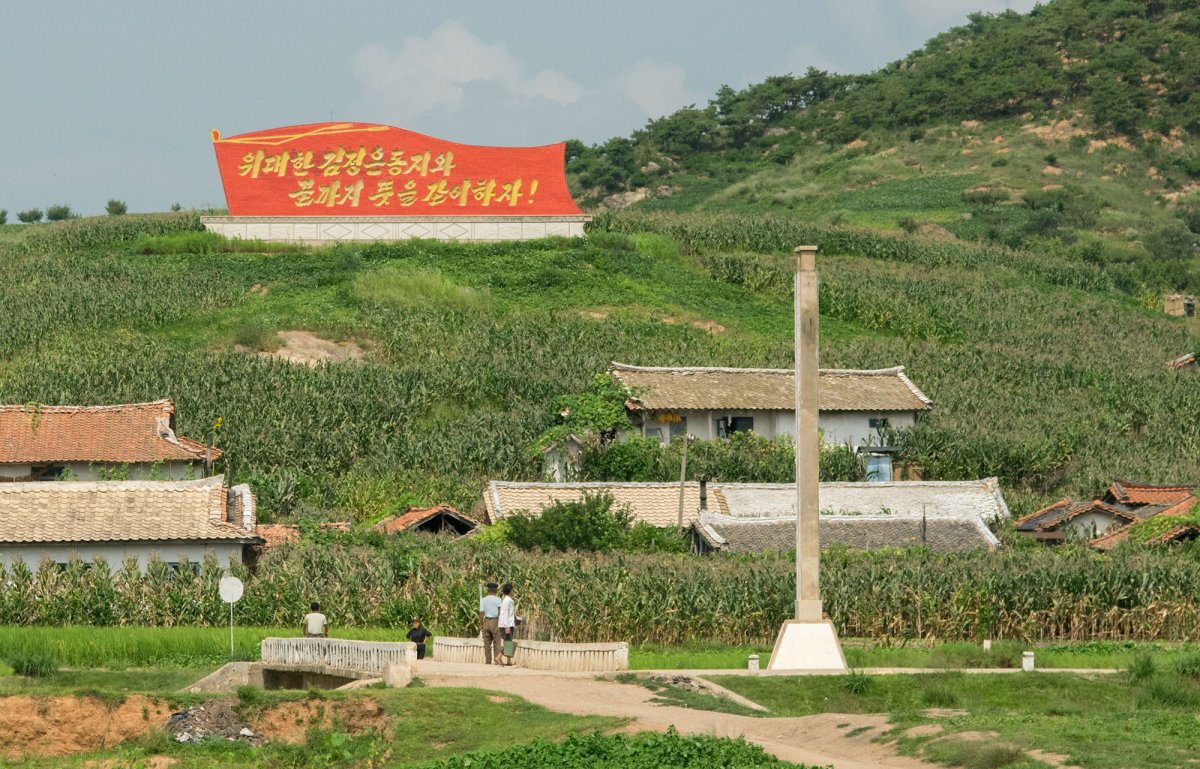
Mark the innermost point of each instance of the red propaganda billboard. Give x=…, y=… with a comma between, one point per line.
x=362, y=169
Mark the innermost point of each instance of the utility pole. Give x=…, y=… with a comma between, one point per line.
x=682, y=477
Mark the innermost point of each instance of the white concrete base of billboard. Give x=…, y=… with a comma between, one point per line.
x=808, y=646
x=327, y=230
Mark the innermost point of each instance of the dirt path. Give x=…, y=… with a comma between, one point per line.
x=816, y=740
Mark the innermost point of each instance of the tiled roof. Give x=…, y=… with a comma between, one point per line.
x=132, y=432
x=1182, y=507
x=415, y=517
x=944, y=535
x=1147, y=494
x=1065, y=511
x=116, y=511
x=658, y=503
x=654, y=503
x=756, y=388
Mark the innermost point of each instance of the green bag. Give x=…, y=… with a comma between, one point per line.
x=510, y=648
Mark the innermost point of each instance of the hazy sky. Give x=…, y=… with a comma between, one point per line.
x=116, y=98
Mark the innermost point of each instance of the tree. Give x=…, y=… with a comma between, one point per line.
x=59, y=212
x=3, y=216
x=176, y=207
x=116, y=207
x=591, y=524
x=30, y=216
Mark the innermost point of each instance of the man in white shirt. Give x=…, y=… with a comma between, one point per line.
x=489, y=630
x=315, y=624
x=507, y=622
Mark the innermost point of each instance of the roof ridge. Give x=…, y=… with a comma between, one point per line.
x=211, y=482
x=891, y=371
x=38, y=407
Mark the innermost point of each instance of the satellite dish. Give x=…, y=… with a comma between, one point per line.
x=231, y=589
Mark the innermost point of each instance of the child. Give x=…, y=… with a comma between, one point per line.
x=417, y=635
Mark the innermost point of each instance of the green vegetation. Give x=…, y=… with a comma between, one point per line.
x=36, y=664
x=59, y=212
x=1063, y=130
x=1097, y=722
x=116, y=207
x=641, y=751
x=594, y=524
x=30, y=216
x=897, y=596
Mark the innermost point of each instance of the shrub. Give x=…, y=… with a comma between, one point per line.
x=31, y=216
x=1169, y=691
x=3, y=216
x=33, y=663
x=257, y=333
x=116, y=207
x=176, y=208
x=59, y=212
x=592, y=524
x=856, y=683
x=1141, y=668
x=908, y=224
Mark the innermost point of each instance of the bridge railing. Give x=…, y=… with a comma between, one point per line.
x=541, y=655
x=365, y=656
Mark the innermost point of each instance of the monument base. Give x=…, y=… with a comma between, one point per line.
x=327, y=230
x=808, y=646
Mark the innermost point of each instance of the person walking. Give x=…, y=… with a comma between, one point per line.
x=418, y=634
x=507, y=623
x=315, y=624
x=489, y=630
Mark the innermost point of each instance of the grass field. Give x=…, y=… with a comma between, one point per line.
x=1096, y=722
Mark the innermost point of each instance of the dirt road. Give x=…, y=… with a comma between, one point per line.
x=815, y=740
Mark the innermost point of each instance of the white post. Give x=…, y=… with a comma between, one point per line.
x=809, y=641
x=230, y=631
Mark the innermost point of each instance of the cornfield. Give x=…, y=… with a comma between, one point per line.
x=1042, y=595
x=1055, y=391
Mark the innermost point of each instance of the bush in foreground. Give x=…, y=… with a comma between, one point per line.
x=642, y=751
x=33, y=663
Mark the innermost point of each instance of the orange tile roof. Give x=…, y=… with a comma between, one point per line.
x=415, y=517
x=1181, y=507
x=1148, y=494
x=769, y=389
x=128, y=433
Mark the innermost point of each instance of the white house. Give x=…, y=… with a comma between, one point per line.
x=116, y=520
x=87, y=443
x=854, y=405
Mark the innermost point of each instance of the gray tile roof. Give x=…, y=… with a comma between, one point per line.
x=944, y=535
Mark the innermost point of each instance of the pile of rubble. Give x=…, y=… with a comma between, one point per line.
x=213, y=719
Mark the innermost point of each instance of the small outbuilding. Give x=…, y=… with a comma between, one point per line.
x=1122, y=505
x=440, y=519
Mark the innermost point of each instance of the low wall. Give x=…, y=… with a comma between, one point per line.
x=541, y=655
x=326, y=230
x=338, y=654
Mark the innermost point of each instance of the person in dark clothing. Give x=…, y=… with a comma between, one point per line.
x=417, y=634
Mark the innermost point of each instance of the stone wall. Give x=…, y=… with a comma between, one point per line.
x=328, y=230
x=541, y=655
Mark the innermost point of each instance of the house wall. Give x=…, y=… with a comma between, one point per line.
x=115, y=553
x=840, y=427
x=1089, y=525
x=86, y=471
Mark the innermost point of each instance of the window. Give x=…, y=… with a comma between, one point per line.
x=1189, y=308
x=878, y=423
x=741, y=424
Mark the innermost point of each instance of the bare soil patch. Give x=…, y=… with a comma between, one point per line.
x=311, y=350
x=924, y=730
x=1054, y=759
x=290, y=721
x=151, y=762
x=711, y=326
x=60, y=726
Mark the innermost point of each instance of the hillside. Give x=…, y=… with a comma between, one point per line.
x=1072, y=129
x=465, y=349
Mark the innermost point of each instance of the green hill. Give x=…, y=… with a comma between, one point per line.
x=466, y=347
x=1072, y=129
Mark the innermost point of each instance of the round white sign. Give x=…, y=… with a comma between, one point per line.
x=231, y=589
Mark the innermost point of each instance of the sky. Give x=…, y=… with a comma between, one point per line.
x=117, y=99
